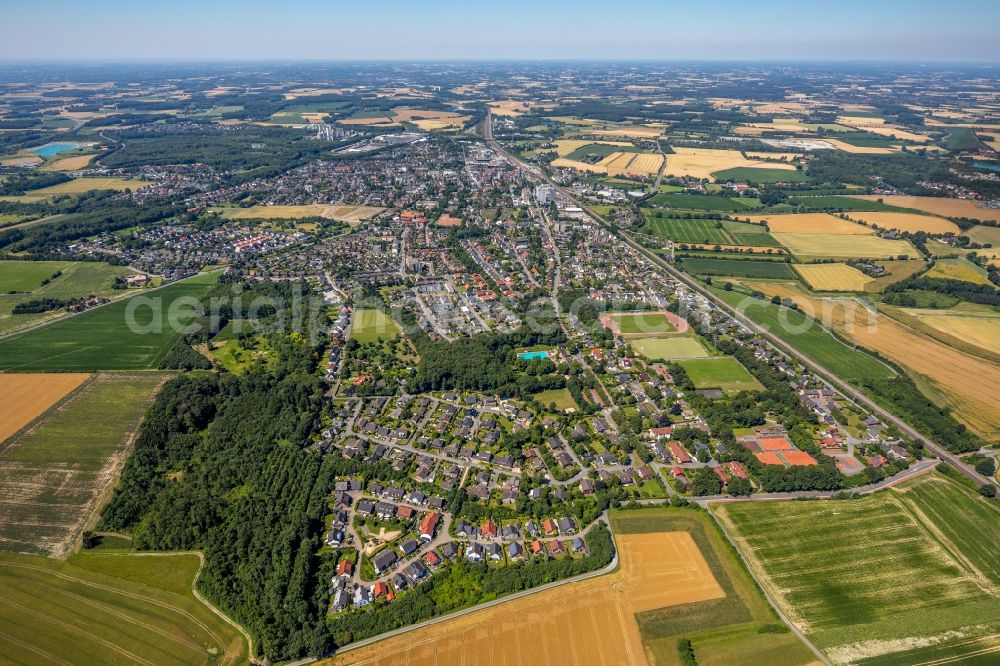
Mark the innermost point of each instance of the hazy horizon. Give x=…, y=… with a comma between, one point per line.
x=254, y=31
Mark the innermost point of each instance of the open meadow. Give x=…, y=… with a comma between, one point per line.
x=669, y=348
x=778, y=270
x=110, y=608
x=906, y=568
x=101, y=338
x=26, y=396
x=371, y=324
x=958, y=269
x=54, y=474
x=77, y=280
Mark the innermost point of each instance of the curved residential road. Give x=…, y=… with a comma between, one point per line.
x=831, y=380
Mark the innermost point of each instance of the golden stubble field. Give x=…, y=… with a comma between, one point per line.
x=911, y=222
x=344, y=213
x=938, y=206
x=26, y=396
x=833, y=277
x=970, y=385
x=812, y=223
x=589, y=622
x=703, y=162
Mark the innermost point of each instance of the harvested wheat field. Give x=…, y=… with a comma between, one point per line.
x=632, y=131
x=380, y=121
x=579, y=166
x=68, y=163
x=436, y=124
x=637, y=164
x=939, y=206
x=26, y=396
x=589, y=622
x=911, y=222
x=703, y=162
x=812, y=223
x=833, y=277
x=772, y=156
x=980, y=330
x=844, y=246
x=968, y=384
x=349, y=214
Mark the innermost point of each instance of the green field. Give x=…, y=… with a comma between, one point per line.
x=669, y=349
x=601, y=150
x=740, y=628
x=808, y=337
x=371, y=324
x=958, y=269
x=649, y=323
x=100, y=339
x=777, y=270
x=839, y=203
x=27, y=275
x=103, y=608
x=78, y=280
x=917, y=562
x=723, y=372
x=710, y=232
x=762, y=175
x=985, y=235
x=562, y=399
x=51, y=476
x=702, y=202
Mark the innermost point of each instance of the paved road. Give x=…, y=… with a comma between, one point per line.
x=832, y=380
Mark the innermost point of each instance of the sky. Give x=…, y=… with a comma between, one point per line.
x=921, y=30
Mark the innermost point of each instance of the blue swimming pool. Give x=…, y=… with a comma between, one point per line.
x=50, y=149
x=533, y=356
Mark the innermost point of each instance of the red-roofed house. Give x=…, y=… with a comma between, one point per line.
x=345, y=568
x=679, y=453
x=428, y=525
x=380, y=590
x=736, y=468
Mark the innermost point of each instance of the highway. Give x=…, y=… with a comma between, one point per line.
x=832, y=380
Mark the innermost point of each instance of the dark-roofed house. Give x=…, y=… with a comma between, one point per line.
x=384, y=559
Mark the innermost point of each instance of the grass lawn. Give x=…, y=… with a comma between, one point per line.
x=52, y=475
x=371, y=324
x=669, y=349
x=101, y=608
x=778, y=270
x=561, y=397
x=886, y=572
x=741, y=624
x=101, y=339
x=808, y=337
x=723, y=372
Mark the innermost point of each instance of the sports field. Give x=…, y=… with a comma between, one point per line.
x=723, y=372
x=844, y=246
x=833, y=277
x=812, y=223
x=939, y=206
x=643, y=322
x=101, y=338
x=26, y=396
x=110, y=608
x=958, y=269
x=370, y=325
x=350, y=214
x=669, y=349
x=907, y=568
x=588, y=622
x=912, y=222
x=54, y=474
